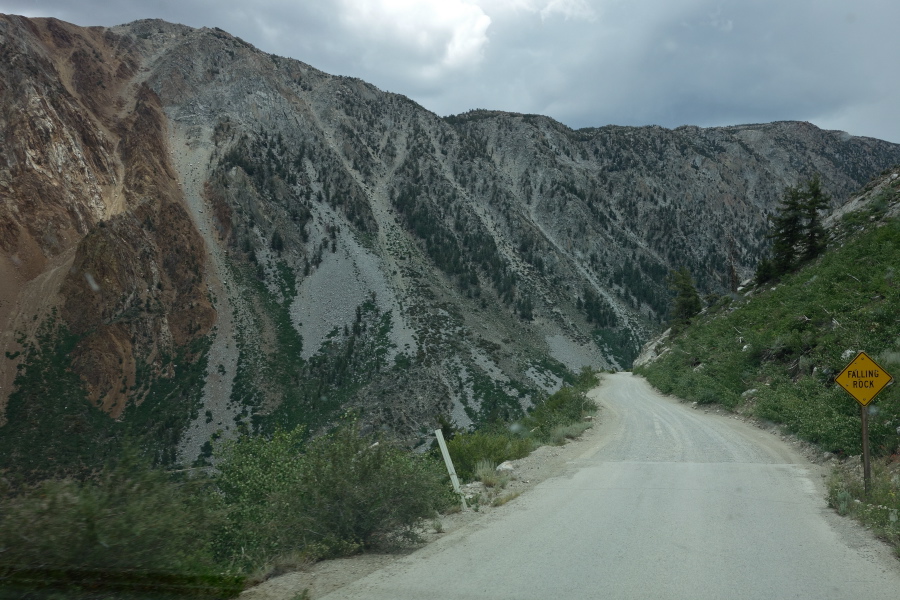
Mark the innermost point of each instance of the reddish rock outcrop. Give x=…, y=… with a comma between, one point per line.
x=87, y=192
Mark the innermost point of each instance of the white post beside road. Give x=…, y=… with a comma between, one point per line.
x=446, y=454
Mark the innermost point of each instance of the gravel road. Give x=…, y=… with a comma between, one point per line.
x=665, y=502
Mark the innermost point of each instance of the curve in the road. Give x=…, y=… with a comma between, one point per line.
x=672, y=503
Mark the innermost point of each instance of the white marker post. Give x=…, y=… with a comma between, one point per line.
x=446, y=454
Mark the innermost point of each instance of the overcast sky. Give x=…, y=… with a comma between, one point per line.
x=583, y=62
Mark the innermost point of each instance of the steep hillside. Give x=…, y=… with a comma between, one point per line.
x=774, y=351
x=204, y=238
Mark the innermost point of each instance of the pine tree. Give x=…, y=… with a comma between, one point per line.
x=526, y=308
x=764, y=271
x=798, y=235
x=787, y=232
x=686, y=302
x=277, y=242
x=814, y=201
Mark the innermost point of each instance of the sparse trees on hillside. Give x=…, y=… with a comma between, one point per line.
x=787, y=231
x=797, y=235
x=525, y=308
x=686, y=303
x=596, y=309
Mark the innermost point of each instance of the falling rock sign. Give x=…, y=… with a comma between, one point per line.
x=863, y=379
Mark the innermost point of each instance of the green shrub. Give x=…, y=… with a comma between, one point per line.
x=586, y=379
x=468, y=449
x=339, y=493
x=363, y=491
x=252, y=471
x=133, y=529
x=568, y=405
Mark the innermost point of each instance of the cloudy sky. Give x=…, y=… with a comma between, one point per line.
x=583, y=62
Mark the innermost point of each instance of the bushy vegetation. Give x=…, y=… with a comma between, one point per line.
x=133, y=531
x=776, y=355
x=551, y=420
x=332, y=496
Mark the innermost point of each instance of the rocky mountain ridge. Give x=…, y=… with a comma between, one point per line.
x=236, y=240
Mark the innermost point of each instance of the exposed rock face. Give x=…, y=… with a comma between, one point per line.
x=92, y=222
x=351, y=248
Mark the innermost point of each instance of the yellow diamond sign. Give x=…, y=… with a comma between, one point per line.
x=863, y=378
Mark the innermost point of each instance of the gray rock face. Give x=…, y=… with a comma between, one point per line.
x=364, y=253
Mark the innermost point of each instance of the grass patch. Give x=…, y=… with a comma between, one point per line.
x=486, y=473
x=468, y=450
x=881, y=510
x=560, y=434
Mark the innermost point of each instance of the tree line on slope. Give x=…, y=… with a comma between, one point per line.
x=798, y=236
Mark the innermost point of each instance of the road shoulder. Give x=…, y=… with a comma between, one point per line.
x=545, y=462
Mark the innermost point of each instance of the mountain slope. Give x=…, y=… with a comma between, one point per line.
x=233, y=240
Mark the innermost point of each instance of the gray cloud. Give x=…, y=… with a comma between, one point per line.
x=585, y=63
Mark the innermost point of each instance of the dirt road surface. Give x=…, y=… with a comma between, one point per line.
x=667, y=502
